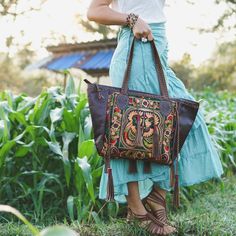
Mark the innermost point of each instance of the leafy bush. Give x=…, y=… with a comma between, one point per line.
x=48, y=160
x=220, y=117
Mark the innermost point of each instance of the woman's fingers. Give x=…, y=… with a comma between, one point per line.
x=146, y=33
x=137, y=35
x=150, y=37
x=142, y=34
x=142, y=30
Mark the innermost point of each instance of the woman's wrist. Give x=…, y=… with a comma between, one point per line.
x=131, y=20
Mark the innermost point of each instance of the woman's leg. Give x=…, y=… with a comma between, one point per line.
x=133, y=199
x=156, y=206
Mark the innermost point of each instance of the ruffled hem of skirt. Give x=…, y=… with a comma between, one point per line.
x=187, y=174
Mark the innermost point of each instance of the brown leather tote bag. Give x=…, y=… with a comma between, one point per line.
x=138, y=125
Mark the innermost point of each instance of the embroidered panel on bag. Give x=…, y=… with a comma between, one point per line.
x=132, y=128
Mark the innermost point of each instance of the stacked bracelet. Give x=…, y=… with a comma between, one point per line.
x=131, y=20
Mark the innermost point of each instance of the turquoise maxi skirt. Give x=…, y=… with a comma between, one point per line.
x=198, y=158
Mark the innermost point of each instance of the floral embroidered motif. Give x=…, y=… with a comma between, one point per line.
x=131, y=129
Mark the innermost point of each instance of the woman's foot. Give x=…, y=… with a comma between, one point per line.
x=136, y=210
x=148, y=221
x=155, y=203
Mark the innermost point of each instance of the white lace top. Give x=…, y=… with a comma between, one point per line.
x=149, y=10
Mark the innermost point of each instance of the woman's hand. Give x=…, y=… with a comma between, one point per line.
x=100, y=12
x=142, y=29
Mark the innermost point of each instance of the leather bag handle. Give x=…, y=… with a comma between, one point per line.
x=159, y=70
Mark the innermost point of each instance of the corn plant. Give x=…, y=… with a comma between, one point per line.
x=48, y=160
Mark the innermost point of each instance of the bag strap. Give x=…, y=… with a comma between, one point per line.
x=158, y=66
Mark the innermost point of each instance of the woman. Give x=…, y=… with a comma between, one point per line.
x=198, y=160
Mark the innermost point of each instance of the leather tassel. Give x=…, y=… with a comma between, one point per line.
x=110, y=186
x=172, y=175
x=138, y=140
x=176, y=197
x=176, y=200
x=132, y=166
x=147, y=167
x=155, y=145
x=107, y=164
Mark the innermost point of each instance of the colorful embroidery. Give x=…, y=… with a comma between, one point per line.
x=131, y=129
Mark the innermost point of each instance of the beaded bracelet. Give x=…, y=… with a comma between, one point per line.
x=131, y=20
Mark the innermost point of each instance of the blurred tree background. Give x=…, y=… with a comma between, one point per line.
x=12, y=76
x=217, y=72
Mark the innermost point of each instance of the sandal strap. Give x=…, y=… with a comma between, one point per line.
x=145, y=217
x=148, y=221
x=156, y=197
x=161, y=215
x=154, y=219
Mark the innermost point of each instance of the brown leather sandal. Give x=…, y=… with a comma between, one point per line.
x=146, y=221
x=160, y=214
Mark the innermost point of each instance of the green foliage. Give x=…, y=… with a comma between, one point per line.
x=47, y=154
x=11, y=7
x=98, y=28
x=12, y=77
x=211, y=212
x=9, y=209
x=184, y=69
x=220, y=116
x=226, y=21
x=9, y=71
x=219, y=72
x=24, y=56
x=50, y=231
x=229, y=13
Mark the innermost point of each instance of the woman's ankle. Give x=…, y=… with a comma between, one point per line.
x=157, y=198
x=137, y=208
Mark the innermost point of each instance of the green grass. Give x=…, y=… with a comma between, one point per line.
x=209, y=213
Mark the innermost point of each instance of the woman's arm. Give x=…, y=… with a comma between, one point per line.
x=100, y=12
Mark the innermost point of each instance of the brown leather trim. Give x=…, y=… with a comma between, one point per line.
x=160, y=74
x=97, y=109
x=152, y=95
